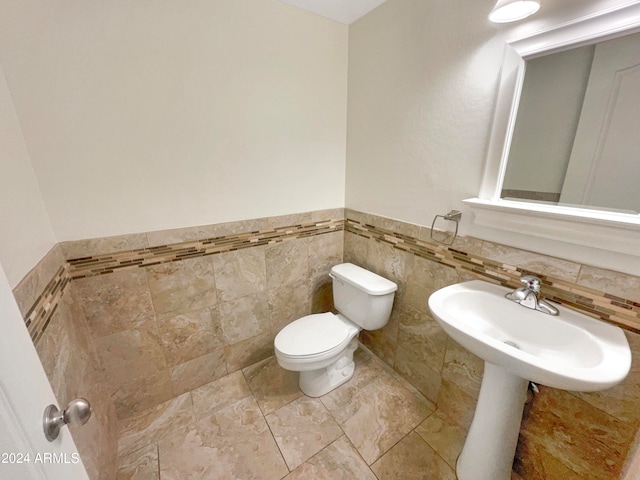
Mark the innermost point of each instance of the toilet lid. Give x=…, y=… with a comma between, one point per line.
x=313, y=334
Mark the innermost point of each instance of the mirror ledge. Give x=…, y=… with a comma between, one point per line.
x=611, y=231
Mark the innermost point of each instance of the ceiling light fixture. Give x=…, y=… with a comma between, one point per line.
x=512, y=10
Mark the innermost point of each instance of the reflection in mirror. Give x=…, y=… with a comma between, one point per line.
x=576, y=139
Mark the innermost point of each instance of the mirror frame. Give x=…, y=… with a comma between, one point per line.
x=619, y=232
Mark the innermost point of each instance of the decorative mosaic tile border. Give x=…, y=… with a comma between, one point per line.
x=38, y=317
x=603, y=306
x=609, y=308
x=146, y=257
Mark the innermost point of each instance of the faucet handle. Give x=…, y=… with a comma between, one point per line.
x=532, y=282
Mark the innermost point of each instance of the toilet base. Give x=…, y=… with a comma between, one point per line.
x=315, y=383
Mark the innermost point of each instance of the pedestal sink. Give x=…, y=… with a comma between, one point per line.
x=569, y=351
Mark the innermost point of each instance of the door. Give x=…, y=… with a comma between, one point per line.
x=25, y=453
x=604, y=169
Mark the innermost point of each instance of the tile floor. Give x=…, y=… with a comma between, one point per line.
x=257, y=424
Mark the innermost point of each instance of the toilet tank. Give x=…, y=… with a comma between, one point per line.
x=362, y=296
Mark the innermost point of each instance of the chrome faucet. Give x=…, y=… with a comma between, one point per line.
x=529, y=296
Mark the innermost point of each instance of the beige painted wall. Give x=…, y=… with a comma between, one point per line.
x=141, y=116
x=25, y=231
x=422, y=84
x=423, y=79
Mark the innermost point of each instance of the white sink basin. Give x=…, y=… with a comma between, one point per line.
x=570, y=351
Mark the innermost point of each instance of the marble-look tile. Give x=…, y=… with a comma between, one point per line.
x=384, y=341
x=219, y=394
x=72, y=367
x=103, y=245
x=462, y=368
x=240, y=227
x=338, y=461
x=415, y=459
x=141, y=393
x=325, y=251
x=248, y=352
x=358, y=216
x=423, y=278
x=55, y=350
x=463, y=243
x=422, y=377
x=356, y=250
x=199, y=371
x=441, y=236
x=321, y=295
x=615, y=283
x=378, y=415
x=244, y=318
x=240, y=273
x=182, y=286
x=366, y=371
x=131, y=354
x=140, y=465
x=455, y=404
x=420, y=334
x=287, y=304
x=115, y=302
x=389, y=262
x=301, y=429
x=327, y=214
x=397, y=226
x=533, y=462
x=272, y=386
x=180, y=235
x=189, y=335
x=78, y=326
x=234, y=442
x=149, y=426
x=287, y=262
x=585, y=439
x=290, y=220
x=469, y=245
x=535, y=262
x=622, y=400
x=34, y=282
x=444, y=436
x=97, y=440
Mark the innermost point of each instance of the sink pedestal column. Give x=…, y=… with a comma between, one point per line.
x=492, y=439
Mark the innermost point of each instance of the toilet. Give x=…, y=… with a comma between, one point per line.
x=321, y=346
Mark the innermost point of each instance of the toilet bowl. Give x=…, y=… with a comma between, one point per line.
x=321, y=346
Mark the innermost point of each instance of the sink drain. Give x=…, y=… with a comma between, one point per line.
x=512, y=344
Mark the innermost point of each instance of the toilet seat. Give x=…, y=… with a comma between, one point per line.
x=314, y=336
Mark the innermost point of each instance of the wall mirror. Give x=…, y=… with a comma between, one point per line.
x=575, y=139
x=564, y=156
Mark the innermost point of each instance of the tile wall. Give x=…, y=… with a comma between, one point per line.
x=151, y=316
x=168, y=317
x=566, y=435
x=129, y=322
x=56, y=321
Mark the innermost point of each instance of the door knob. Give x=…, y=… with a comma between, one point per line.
x=77, y=413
